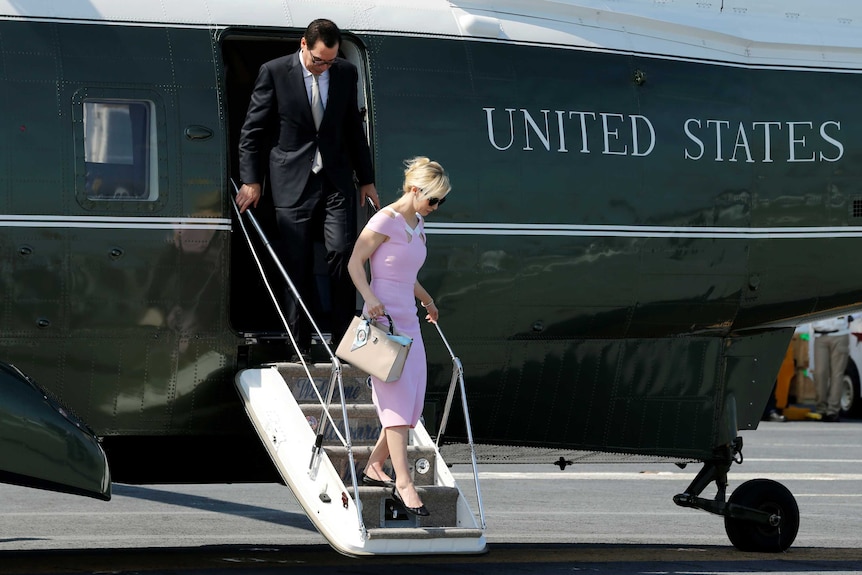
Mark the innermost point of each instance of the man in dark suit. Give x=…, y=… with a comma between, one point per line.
x=303, y=122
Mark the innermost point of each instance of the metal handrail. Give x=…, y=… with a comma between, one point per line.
x=335, y=375
x=458, y=376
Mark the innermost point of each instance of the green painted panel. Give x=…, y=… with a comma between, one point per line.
x=752, y=363
x=674, y=397
x=136, y=338
x=139, y=382
x=122, y=55
x=35, y=285
x=33, y=152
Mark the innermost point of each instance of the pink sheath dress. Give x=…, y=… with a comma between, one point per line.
x=394, y=266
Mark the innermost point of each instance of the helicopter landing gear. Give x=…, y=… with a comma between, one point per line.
x=760, y=515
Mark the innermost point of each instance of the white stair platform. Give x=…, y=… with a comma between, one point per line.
x=328, y=503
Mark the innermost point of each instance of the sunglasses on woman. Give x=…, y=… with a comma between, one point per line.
x=434, y=201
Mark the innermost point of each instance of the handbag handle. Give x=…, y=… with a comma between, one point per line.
x=388, y=317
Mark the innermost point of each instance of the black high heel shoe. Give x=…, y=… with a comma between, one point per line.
x=420, y=511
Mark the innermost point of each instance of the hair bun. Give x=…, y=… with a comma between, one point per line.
x=414, y=163
x=426, y=175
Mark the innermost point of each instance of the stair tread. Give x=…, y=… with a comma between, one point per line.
x=423, y=532
x=335, y=408
x=339, y=449
x=318, y=367
x=421, y=489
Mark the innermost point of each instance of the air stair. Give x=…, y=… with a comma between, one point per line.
x=318, y=425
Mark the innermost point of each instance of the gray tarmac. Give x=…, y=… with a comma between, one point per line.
x=608, y=518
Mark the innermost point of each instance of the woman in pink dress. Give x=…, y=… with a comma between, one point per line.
x=394, y=242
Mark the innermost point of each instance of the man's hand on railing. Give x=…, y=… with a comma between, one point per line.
x=248, y=196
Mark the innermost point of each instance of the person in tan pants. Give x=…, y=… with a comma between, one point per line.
x=831, y=351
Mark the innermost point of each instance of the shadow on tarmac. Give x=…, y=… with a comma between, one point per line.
x=256, y=512
x=505, y=559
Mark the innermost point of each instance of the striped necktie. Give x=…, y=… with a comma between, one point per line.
x=317, y=114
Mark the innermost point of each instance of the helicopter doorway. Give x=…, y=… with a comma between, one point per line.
x=252, y=311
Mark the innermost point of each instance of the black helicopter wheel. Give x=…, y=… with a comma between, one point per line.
x=771, y=497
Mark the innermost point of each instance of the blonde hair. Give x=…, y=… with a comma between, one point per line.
x=427, y=175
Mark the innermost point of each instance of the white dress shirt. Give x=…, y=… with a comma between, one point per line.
x=832, y=326
x=322, y=82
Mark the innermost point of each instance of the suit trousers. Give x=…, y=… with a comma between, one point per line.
x=321, y=211
x=830, y=361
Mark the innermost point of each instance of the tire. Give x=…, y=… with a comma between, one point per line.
x=851, y=400
x=763, y=495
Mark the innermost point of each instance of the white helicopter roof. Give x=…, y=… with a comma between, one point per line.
x=823, y=33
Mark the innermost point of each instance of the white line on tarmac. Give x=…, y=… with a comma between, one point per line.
x=794, y=460
x=662, y=475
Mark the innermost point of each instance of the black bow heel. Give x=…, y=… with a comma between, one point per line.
x=420, y=511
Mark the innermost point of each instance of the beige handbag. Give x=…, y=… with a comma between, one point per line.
x=374, y=350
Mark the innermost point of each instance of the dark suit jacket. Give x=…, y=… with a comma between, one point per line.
x=279, y=131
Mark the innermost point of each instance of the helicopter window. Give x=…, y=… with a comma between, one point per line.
x=120, y=150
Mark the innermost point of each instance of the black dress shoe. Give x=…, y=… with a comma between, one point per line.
x=420, y=511
x=831, y=417
x=376, y=482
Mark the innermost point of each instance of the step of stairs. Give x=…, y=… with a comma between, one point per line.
x=425, y=533
x=389, y=528
x=379, y=509
x=385, y=518
x=356, y=387
x=422, y=462
x=364, y=424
